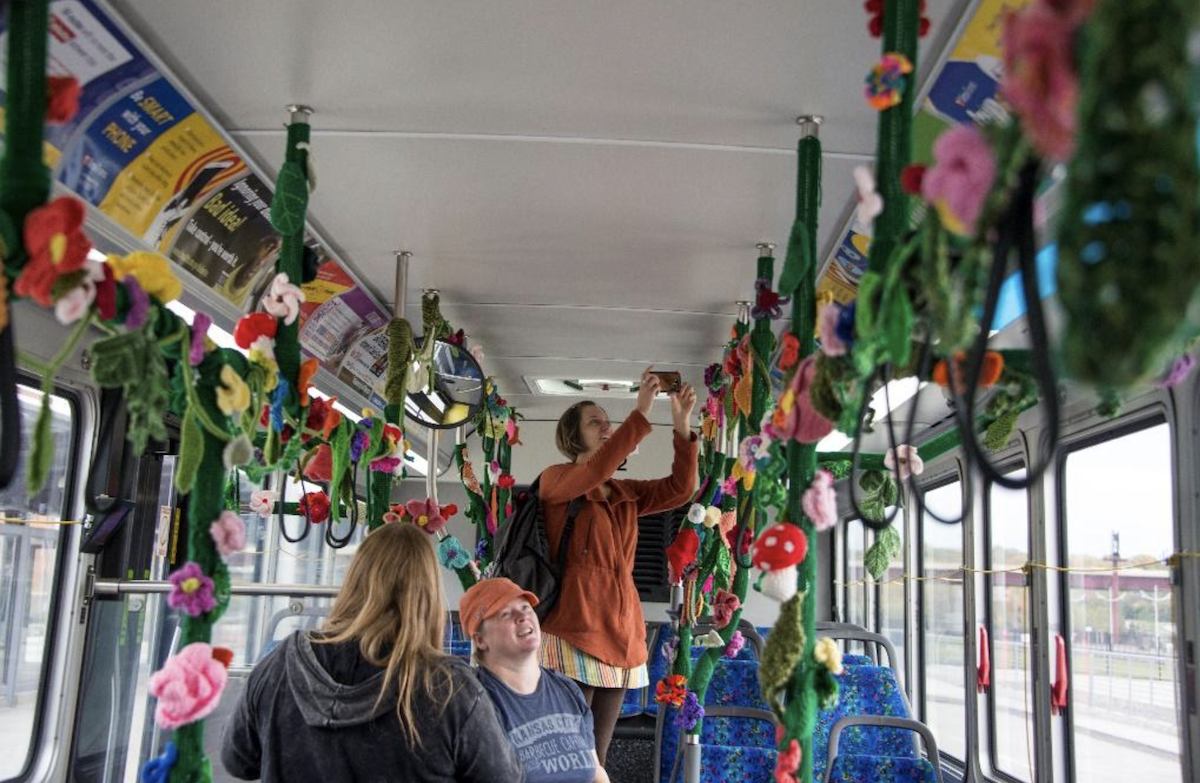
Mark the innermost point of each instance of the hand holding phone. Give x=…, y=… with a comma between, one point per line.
x=669, y=381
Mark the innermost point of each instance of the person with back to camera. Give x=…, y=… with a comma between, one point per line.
x=543, y=711
x=596, y=634
x=371, y=696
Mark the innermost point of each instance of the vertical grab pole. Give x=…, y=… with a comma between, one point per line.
x=399, y=305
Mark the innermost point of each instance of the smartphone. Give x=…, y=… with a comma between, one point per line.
x=669, y=382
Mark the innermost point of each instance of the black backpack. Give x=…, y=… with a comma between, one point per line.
x=523, y=554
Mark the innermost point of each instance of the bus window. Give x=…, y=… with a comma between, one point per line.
x=28, y=564
x=1124, y=712
x=891, y=601
x=856, y=593
x=1010, y=700
x=941, y=591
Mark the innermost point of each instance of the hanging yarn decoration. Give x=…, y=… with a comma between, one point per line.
x=874, y=10
x=1127, y=272
x=767, y=303
x=400, y=354
x=887, y=81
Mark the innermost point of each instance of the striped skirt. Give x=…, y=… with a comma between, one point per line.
x=562, y=656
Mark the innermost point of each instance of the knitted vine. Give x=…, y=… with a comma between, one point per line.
x=288, y=207
x=1127, y=272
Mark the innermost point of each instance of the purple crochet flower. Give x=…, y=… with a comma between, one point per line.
x=845, y=325
x=359, y=442
x=139, y=303
x=1181, y=368
x=711, y=373
x=736, y=643
x=481, y=549
x=200, y=326
x=192, y=590
x=718, y=496
x=690, y=713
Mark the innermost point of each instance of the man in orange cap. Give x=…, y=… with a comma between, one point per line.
x=544, y=712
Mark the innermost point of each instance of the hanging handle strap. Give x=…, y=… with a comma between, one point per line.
x=983, y=671
x=1058, y=693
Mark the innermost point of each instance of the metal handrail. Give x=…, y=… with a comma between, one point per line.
x=112, y=587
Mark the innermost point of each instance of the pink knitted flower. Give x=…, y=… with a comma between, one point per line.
x=958, y=183
x=1039, y=75
x=724, y=604
x=794, y=416
x=262, y=502
x=819, y=501
x=904, y=461
x=787, y=763
x=200, y=324
x=188, y=687
x=736, y=643
x=729, y=487
x=827, y=324
x=228, y=533
x=426, y=515
x=192, y=590
x=283, y=300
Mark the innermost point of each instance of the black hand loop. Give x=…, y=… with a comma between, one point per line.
x=303, y=512
x=339, y=542
x=1015, y=228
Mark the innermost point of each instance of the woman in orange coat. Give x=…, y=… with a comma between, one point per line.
x=596, y=634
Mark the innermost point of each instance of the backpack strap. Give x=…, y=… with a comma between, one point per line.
x=573, y=509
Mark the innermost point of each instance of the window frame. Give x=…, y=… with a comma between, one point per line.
x=1005, y=467
x=939, y=481
x=61, y=561
x=1134, y=422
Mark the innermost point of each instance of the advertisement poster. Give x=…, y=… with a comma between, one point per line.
x=336, y=313
x=228, y=242
x=365, y=367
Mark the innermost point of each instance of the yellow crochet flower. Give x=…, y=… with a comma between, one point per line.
x=741, y=474
x=152, y=271
x=826, y=652
x=233, y=395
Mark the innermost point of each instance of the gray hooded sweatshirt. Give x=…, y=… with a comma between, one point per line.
x=309, y=715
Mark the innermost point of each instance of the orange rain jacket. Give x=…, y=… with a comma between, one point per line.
x=598, y=610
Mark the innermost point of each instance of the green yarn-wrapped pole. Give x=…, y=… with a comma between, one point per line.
x=288, y=209
x=24, y=178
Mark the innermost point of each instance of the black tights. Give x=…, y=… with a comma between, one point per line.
x=606, y=708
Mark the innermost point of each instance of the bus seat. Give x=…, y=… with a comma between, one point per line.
x=735, y=743
x=880, y=763
x=865, y=691
x=856, y=659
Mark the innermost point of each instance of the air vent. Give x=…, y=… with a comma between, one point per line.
x=583, y=387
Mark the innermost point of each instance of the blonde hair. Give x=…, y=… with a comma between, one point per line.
x=393, y=605
x=569, y=434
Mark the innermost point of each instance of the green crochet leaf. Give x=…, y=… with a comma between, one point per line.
x=864, y=314
x=999, y=431
x=898, y=326
x=879, y=492
x=191, y=451
x=881, y=553
x=785, y=647
x=290, y=203
x=134, y=363
x=798, y=261
x=41, y=455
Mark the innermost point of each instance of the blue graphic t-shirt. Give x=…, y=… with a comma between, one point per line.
x=551, y=728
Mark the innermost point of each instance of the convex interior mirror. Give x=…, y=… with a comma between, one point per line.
x=445, y=386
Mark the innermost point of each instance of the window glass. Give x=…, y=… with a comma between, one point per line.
x=942, y=620
x=1010, y=699
x=28, y=561
x=892, y=601
x=855, y=573
x=1120, y=526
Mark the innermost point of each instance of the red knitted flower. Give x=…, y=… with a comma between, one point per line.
x=106, y=295
x=253, y=326
x=56, y=245
x=62, y=98
x=874, y=10
x=506, y=481
x=672, y=690
x=791, y=352
x=912, y=177
x=449, y=510
x=315, y=506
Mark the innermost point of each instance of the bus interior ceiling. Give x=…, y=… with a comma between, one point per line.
x=584, y=187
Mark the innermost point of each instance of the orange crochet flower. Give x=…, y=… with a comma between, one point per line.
x=56, y=245
x=62, y=98
x=308, y=369
x=672, y=690
x=989, y=372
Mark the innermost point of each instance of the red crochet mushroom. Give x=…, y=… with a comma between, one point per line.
x=777, y=552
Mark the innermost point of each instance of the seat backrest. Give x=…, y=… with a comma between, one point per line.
x=857, y=659
x=864, y=690
x=885, y=769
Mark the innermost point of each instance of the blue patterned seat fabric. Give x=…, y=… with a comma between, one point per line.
x=885, y=769
x=856, y=659
x=725, y=764
x=864, y=690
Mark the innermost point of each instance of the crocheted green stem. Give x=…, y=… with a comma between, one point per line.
x=24, y=178
x=1127, y=271
x=291, y=255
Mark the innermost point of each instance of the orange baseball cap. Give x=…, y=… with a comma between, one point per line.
x=486, y=599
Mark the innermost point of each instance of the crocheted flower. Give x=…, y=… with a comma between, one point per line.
x=320, y=465
x=729, y=487
x=106, y=294
x=506, y=481
x=826, y=653
x=139, y=304
x=477, y=353
x=845, y=326
x=200, y=324
x=728, y=523
x=794, y=417
x=233, y=395
x=875, y=21
x=62, y=99
x=870, y=203
x=192, y=590
x=790, y=352
x=787, y=763
x=911, y=178
x=360, y=441
x=904, y=461
x=690, y=713
x=153, y=273
x=262, y=502
x=827, y=326
x=712, y=517
x=767, y=302
x=451, y=554
x=1039, y=80
x=387, y=464
x=1179, y=371
x=158, y=769
x=671, y=690
x=695, y=514
x=989, y=371
x=188, y=687
x=262, y=353
x=724, y=604
x=74, y=304
x=228, y=532
x=682, y=553
x=426, y=515
x=237, y=452
x=958, y=183
x=308, y=370
x=283, y=299
x=885, y=82
x=251, y=327
x=819, y=501
x=736, y=643
x=56, y=245
x=392, y=517
x=315, y=506
x=278, y=398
